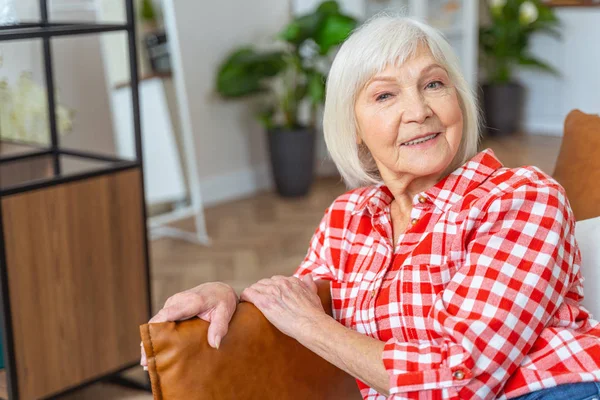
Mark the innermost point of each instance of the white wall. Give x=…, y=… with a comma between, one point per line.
x=230, y=145
x=577, y=56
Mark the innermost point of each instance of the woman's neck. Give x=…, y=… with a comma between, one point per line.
x=405, y=187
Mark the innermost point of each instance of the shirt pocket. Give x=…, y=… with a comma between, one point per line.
x=417, y=287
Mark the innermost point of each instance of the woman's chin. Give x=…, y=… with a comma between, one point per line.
x=433, y=159
x=429, y=169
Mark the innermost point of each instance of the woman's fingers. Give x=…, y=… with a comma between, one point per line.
x=166, y=314
x=143, y=359
x=219, y=325
x=260, y=286
x=214, y=302
x=180, y=311
x=256, y=293
x=249, y=294
x=277, y=286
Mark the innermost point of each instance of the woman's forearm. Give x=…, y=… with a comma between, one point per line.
x=357, y=354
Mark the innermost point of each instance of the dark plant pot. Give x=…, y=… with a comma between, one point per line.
x=292, y=160
x=503, y=108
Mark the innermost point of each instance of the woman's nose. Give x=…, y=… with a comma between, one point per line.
x=416, y=110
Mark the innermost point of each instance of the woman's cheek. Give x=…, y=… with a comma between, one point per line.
x=447, y=108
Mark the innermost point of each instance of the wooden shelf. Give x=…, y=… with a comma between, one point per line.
x=75, y=234
x=81, y=248
x=23, y=165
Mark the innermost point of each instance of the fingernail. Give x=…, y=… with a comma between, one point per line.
x=217, y=342
x=145, y=368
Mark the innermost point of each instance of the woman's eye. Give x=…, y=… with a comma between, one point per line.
x=383, y=96
x=435, y=85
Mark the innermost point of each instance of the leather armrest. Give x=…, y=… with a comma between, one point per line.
x=254, y=361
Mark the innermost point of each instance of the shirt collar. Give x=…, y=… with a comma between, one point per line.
x=375, y=199
x=443, y=194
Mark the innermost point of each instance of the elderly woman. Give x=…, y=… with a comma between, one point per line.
x=451, y=276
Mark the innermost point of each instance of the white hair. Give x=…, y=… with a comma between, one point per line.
x=386, y=40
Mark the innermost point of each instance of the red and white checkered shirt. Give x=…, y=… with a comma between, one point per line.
x=479, y=299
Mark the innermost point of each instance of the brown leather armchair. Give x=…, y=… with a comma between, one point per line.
x=256, y=361
x=578, y=163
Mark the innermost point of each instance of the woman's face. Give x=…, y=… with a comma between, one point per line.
x=410, y=119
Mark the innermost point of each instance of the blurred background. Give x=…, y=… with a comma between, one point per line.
x=226, y=134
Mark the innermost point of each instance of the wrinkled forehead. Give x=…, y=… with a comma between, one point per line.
x=417, y=64
x=398, y=56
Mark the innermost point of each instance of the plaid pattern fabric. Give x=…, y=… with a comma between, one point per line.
x=480, y=297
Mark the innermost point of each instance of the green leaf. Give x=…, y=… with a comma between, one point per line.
x=329, y=7
x=302, y=28
x=334, y=30
x=239, y=85
x=326, y=25
x=291, y=32
x=546, y=14
x=529, y=61
x=245, y=72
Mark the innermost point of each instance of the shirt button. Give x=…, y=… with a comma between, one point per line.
x=414, y=221
x=373, y=293
x=459, y=375
x=422, y=199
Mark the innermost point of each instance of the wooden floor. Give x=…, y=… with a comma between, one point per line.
x=266, y=235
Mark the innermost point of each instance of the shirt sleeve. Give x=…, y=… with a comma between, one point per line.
x=318, y=258
x=517, y=270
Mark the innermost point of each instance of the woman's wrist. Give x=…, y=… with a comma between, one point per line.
x=313, y=333
x=357, y=354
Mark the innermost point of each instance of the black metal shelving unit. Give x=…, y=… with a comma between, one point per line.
x=46, y=30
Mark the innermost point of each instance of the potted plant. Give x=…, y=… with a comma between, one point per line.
x=287, y=80
x=504, y=47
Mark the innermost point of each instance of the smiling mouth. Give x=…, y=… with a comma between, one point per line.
x=421, y=140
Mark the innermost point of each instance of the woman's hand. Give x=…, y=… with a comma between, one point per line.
x=213, y=302
x=291, y=304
